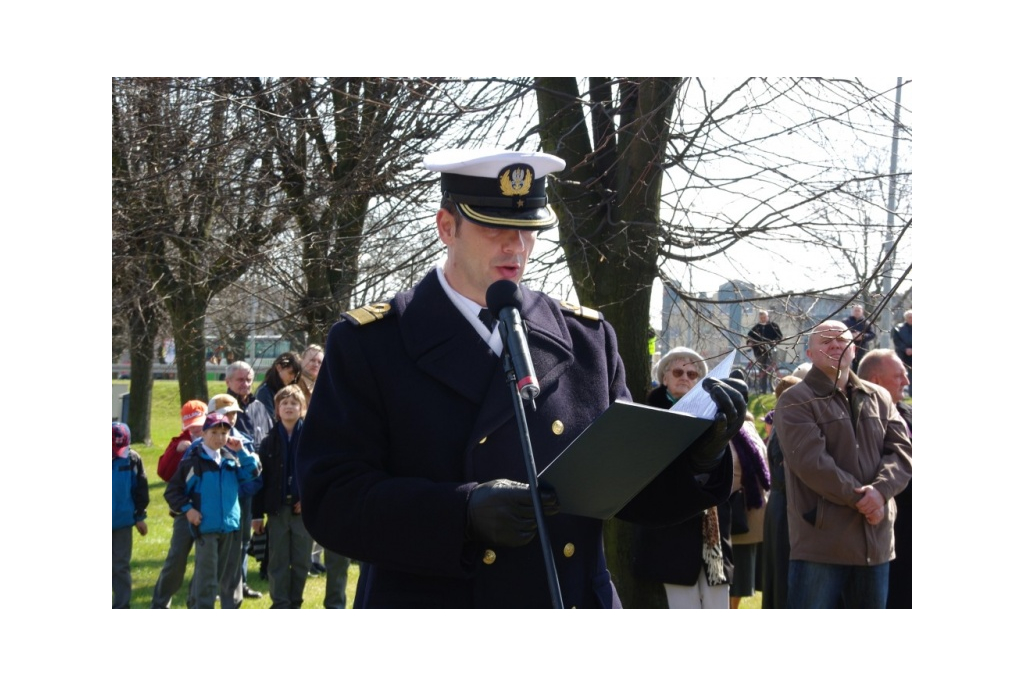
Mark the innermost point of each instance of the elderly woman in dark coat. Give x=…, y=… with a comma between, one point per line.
x=775, y=570
x=692, y=558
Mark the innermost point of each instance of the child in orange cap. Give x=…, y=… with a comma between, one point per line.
x=172, y=575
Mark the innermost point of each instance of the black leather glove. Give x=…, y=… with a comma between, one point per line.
x=739, y=383
x=706, y=453
x=500, y=513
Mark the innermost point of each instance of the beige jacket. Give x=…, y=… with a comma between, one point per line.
x=833, y=445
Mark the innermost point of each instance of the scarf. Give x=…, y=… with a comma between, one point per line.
x=714, y=562
x=754, y=476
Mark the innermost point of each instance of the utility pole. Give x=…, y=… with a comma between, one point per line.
x=891, y=216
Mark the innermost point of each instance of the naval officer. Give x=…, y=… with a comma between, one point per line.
x=411, y=459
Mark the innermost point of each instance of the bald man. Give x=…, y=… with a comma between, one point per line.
x=848, y=454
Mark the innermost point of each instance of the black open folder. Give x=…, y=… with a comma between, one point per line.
x=622, y=451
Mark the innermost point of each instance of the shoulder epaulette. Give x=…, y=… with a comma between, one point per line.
x=368, y=313
x=582, y=312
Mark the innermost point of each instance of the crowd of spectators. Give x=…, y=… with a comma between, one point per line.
x=242, y=447
x=234, y=457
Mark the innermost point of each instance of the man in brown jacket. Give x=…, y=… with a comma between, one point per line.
x=847, y=455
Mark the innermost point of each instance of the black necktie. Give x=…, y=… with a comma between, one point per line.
x=487, y=319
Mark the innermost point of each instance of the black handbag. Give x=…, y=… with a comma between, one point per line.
x=739, y=513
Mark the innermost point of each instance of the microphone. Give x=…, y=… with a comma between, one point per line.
x=505, y=301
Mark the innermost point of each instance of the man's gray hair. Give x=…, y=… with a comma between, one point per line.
x=236, y=366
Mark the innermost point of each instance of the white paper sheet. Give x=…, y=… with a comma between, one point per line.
x=698, y=402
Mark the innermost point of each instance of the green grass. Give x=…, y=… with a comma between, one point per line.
x=751, y=602
x=759, y=406
x=149, y=552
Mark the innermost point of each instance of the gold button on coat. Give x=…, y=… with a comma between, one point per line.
x=489, y=556
x=569, y=549
x=483, y=440
x=557, y=427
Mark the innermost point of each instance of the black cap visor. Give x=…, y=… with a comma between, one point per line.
x=534, y=219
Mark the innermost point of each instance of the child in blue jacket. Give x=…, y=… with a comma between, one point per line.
x=130, y=491
x=205, y=490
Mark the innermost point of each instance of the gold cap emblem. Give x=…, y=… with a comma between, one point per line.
x=515, y=180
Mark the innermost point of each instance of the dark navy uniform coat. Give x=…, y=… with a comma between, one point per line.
x=412, y=409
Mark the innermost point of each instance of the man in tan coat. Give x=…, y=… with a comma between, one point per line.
x=847, y=455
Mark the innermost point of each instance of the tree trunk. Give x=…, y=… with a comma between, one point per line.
x=608, y=209
x=143, y=325
x=188, y=321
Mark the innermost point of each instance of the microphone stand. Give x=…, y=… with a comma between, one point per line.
x=531, y=474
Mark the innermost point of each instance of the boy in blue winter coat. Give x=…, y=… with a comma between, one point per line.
x=130, y=491
x=205, y=490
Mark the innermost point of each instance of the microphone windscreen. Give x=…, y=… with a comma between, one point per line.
x=503, y=294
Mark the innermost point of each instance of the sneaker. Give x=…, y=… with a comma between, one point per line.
x=249, y=593
x=317, y=568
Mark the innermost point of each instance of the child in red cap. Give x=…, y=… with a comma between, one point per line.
x=172, y=575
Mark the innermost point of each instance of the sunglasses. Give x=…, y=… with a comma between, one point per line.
x=690, y=373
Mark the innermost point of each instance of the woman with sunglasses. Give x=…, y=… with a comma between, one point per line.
x=692, y=558
x=285, y=370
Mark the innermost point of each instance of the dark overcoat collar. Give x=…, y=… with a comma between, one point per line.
x=447, y=348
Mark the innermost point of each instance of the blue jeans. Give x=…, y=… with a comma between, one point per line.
x=814, y=585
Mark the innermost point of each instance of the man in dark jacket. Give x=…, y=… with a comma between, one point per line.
x=255, y=422
x=903, y=343
x=763, y=338
x=411, y=459
x=884, y=368
x=863, y=334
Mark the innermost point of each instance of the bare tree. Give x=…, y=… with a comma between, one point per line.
x=193, y=184
x=348, y=154
x=135, y=302
x=667, y=170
